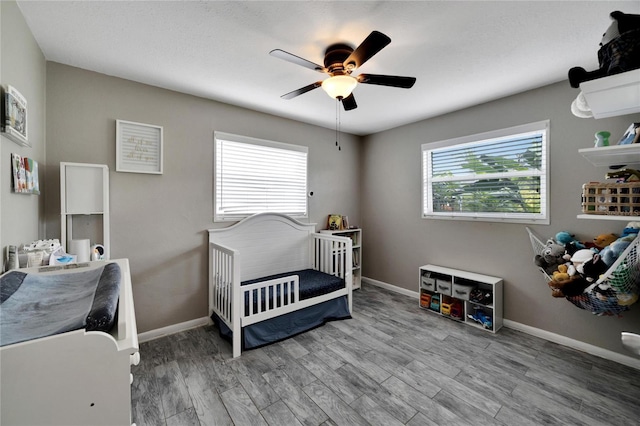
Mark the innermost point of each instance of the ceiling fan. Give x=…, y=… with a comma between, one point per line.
x=340, y=60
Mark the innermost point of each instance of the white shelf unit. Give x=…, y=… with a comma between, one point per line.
x=614, y=95
x=356, y=238
x=84, y=191
x=609, y=156
x=612, y=155
x=457, y=300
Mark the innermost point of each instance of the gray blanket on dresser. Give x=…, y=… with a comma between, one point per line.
x=36, y=305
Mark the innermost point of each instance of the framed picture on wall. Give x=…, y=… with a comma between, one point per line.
x=138, y=147
x=13, y=116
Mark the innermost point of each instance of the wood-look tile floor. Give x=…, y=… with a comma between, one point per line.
x=392, y=364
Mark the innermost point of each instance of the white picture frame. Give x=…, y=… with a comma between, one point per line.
x=139, y=147
x=14, y=116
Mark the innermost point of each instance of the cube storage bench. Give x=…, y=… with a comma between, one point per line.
x=463, y=296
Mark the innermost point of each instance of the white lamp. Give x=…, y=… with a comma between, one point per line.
x=339, y=86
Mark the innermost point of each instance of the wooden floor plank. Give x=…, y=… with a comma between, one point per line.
x=240, y=407
x=173, y=390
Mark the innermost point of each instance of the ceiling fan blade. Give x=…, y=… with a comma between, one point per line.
x=290, y=57
x=302, y=90
x=371, y=45
x=349, y=103
x=387, y=80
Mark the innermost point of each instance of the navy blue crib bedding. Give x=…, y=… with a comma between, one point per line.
x=312, y=283
x=35, y=305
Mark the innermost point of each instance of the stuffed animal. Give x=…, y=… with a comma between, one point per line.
x=561, y=274
x=611, y=252
x=572, y=287
x=632, y=229
x=550, y=257
x=619, y=51
x=603, y=240
x=580, y=257
x=571, y=245
x=593, y=268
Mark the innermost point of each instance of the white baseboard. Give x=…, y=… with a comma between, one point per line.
x=391, y=287
x=172, y=329
x=629, y=361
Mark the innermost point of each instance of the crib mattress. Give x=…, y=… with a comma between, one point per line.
x=35, y=305
x=312, y=283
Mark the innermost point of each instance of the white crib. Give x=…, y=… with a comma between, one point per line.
x=268, y=244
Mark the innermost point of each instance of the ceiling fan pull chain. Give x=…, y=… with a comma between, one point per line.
x=338, y=108
x=337, y=122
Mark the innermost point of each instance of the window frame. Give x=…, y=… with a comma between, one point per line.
x=230, y=137
x=490, y=137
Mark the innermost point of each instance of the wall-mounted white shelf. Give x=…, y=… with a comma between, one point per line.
x=608, y=156
x=608, y=217
x=84, y=191
x=614, y=95
x=611, y=155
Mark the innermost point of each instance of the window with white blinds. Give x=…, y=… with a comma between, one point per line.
x=496, y=176
x=255, y=176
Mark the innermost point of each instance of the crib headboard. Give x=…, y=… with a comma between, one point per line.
x=269, y=243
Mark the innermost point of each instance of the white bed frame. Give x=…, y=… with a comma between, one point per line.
x=268, y=244
x=73, y=378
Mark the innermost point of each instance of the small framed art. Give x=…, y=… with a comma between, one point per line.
x=138, y=147
x=14, y=116
x=334, y=222
x=632, y=135
x=25, y=175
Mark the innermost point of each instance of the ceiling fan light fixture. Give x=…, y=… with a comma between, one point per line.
x=339, y=86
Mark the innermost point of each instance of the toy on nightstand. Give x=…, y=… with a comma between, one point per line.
x=435, y=303
x=481, y=317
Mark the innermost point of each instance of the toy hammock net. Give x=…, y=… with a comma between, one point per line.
x=615, y=291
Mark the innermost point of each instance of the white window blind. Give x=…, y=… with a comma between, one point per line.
x=255, y=176
x=497, y=176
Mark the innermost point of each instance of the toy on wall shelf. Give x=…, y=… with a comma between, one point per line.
x=602, y=139
x=619, y=50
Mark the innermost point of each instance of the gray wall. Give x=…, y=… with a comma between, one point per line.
x=23, y=66
x=159, y=222
x=398, y=241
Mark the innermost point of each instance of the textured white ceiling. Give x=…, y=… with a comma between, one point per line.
x=463, y=53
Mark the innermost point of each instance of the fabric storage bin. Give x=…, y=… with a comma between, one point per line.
x=443, y=286
x=462, y=288
x=428, y=283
